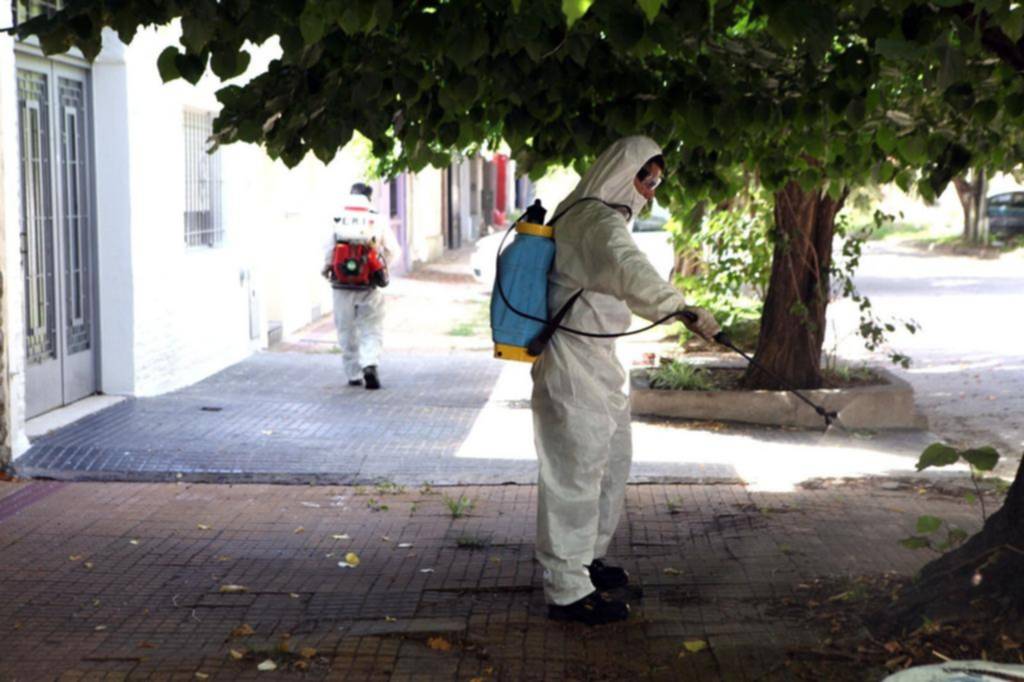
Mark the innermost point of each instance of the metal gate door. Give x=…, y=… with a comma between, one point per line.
x=56, y=234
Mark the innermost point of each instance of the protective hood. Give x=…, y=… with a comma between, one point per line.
x=610, y=178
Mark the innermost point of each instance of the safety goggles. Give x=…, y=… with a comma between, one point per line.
x=651, y=182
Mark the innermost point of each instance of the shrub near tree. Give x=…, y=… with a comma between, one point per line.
x=814, y=97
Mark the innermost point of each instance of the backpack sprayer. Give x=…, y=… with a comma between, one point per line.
x=521, y=326
x=356, y=264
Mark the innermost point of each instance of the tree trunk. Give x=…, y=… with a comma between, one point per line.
x=793, y=320
x=983, y=579
x=971, y=191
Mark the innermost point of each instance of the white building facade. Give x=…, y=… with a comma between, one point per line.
x=134, y=262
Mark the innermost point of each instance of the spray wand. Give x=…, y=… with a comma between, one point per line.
x=721, y=338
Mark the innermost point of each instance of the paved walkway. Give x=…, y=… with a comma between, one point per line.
x=189, y=581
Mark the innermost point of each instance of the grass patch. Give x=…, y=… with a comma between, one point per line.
x=680, y=376
x=471, y=542
x=478, y=324
x=458, y=507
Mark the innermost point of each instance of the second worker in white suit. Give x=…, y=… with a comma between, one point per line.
x=581, y=413
x=359, y=308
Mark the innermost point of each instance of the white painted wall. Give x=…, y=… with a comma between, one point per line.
x=12, y=324
x=426, y=240
x=170, y=314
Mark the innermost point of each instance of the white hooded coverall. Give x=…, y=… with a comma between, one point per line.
x=581, y=413
x=359, y=313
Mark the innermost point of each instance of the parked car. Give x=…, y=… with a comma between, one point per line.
x=648, y=233
x=1006, y=214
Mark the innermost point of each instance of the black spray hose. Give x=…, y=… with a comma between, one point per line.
x=722, y=339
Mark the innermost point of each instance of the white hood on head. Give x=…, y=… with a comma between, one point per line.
x=610, y=178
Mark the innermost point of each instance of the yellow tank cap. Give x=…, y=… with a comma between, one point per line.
x=536, y=230
x=506, y=352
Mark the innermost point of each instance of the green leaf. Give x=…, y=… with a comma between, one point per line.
x=885, y=138
x=971, y=498
x=575, y=9
x=913, y=148
x=937, y=455
x=928, y=524
x=915, y=542
x=229, y=63
x=312, y=23
x=983, y=459
x=190, y=66
x=651, y=8
x=166, y=64
x=955, y=536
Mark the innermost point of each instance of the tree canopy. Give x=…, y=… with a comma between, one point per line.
x=819, y=91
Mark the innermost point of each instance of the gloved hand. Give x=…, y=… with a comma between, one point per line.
x=700, y=322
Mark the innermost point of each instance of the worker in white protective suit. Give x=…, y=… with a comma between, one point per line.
x=581, y=413
x=359, y=310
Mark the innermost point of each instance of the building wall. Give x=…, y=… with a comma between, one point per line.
x=12, y=381
x=424, y=196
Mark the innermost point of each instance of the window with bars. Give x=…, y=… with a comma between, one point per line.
x=202, y=183
x=27, y=9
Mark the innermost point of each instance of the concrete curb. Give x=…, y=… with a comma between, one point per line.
x=885, y=406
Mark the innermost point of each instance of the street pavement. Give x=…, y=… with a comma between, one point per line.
x=968, y=358
x=116, y=581
x=450, y=414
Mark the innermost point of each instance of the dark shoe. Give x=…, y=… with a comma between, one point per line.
x=370, y=375
x=355, y=382
x=591, y=610
x=607, y=577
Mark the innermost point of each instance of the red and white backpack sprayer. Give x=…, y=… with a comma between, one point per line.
x=356, y=262
x=357, y=265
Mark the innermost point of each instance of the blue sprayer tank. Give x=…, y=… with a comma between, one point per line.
x=522, y=274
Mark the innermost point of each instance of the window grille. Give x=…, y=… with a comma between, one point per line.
x=27, y=9
x=202, y=183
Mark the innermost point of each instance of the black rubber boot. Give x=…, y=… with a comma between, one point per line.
x=593, y=609
x=607, y=577
x=370, y=376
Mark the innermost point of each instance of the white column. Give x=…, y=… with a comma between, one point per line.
x=115, y=284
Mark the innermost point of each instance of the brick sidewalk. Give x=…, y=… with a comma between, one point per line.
x=120, y=580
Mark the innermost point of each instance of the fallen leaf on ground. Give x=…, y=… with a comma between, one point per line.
x=89, y=565
x=439, y=644
x=300, y=529
x=146, y=645
x=243, y=630
x=495, y=560
x=692, y=646
x=892, y=647
x=267, y=666
x=341, y=536
x=202, y=526
x=404, y=545
x=233, y=589
x=294, y=595
x=301, y=666
x=352, y=559
x=671, y=571
x=100, y=628
x=390, y=619
x=426, y=570
x=223, y=557
x=307, y=652
x=75, y=557
x=202, y=676
x=385, y=538
x=311, y=505
x=268, y=432
x=236, y=654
